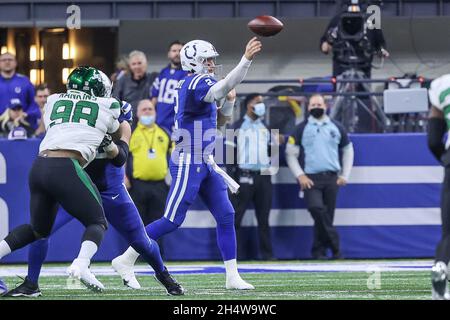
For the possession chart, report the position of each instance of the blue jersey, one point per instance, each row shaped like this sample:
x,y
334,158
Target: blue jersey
x,y
21,88
193,114
104,174
163,89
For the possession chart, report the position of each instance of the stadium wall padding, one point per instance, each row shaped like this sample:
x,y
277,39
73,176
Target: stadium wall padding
x,y
390,209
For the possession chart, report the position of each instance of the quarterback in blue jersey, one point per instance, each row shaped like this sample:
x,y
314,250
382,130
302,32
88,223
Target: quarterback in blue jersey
x,y
192,164
164,87
107,173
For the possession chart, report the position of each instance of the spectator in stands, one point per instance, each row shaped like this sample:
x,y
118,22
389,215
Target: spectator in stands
x,y
15,85
147,166
14,117
42,93
252,153
313,155
164,86
135,86
121,69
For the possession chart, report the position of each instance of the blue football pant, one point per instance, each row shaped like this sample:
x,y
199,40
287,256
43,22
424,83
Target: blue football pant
x,y
122,214
190,180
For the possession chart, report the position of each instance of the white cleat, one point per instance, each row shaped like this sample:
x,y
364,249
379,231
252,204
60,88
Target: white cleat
x,y
80,270
126,272
237,283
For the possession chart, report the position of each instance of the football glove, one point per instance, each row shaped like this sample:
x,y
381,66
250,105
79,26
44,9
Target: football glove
x,y
107,144
126,112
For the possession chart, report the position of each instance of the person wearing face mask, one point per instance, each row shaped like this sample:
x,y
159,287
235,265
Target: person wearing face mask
x,y
147,165
251,145
313,156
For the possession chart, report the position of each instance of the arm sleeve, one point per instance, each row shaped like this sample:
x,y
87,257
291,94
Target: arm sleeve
x,y
227,108
292,154
154,90
122,156
222,87
379,41
333,23
345,141
347,161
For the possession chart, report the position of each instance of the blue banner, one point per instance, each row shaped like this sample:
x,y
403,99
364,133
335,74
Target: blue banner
x,y
390,209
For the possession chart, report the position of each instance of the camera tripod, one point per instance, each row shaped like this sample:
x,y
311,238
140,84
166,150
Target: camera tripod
x,y
345,108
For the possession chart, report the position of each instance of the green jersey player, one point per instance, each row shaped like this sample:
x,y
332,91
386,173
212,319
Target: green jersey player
x,y
76,123
438,126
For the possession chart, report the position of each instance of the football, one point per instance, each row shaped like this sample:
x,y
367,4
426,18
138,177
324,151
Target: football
x,y
265,26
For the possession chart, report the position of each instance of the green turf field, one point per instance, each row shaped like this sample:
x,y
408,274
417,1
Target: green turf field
x,y
411,284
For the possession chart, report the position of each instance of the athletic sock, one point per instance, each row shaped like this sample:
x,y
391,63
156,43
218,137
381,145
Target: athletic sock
x,y
130,256
231,268
36,257
4,249
88,249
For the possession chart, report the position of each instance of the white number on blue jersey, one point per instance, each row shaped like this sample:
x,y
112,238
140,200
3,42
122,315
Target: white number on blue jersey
x,y
167,90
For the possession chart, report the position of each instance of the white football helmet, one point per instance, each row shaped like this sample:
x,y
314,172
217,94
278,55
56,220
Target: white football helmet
x,y
194,54
107,83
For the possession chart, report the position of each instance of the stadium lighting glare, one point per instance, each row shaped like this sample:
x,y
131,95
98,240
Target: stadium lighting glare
x,y
42,77
41,56
73,52
66,51
33,52
4,49
65,75
56,30
34,76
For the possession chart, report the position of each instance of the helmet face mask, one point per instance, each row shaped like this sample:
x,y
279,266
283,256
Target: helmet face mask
x,y
196,57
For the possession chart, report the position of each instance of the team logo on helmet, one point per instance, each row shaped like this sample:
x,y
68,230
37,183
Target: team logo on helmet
x,y
194,47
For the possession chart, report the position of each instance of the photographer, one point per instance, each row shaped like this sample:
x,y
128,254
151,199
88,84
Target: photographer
x,y
351,40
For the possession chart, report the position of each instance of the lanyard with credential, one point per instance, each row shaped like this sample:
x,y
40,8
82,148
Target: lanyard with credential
x,y
151,151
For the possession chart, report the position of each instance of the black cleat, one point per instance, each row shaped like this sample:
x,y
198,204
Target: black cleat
x,y
173,288
27,289
439,281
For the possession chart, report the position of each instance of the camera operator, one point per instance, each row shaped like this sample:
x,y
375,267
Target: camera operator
x,y
351,40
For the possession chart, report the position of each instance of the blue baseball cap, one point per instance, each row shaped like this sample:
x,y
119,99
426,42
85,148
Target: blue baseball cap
x,y
15,103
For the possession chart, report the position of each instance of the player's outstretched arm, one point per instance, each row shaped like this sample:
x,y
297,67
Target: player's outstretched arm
x,y
222,87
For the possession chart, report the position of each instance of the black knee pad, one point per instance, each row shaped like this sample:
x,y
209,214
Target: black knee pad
x,y
22,236
94,233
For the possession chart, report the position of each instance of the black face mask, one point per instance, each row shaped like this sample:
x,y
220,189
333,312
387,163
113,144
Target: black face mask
x,y
317,112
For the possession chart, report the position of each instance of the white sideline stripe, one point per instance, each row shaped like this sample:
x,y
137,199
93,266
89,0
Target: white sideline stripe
x,y
343,217
379,174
